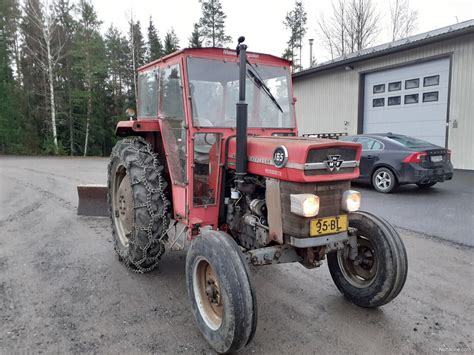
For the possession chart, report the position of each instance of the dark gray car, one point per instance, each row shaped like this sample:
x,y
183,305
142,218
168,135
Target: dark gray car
x,y
389,160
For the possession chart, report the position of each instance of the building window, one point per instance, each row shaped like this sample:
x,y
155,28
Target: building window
x,y
411,99
412,83
379,88
394,100
430,96
378,102
395,86
431,80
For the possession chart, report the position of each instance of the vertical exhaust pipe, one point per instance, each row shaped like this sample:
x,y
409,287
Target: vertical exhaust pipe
x,y
241,136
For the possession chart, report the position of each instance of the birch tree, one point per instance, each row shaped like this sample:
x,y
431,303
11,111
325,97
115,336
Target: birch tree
x,y
48,51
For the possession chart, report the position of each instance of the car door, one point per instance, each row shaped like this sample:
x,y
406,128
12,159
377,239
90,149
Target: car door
x,y
371,149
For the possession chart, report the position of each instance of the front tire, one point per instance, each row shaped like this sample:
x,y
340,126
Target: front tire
x,y
384,180
379,272
138,204
222,297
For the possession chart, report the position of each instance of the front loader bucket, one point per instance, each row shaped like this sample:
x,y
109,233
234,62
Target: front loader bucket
x,y
92,200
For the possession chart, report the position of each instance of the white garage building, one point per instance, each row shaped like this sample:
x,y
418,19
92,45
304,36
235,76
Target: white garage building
x,y
422,86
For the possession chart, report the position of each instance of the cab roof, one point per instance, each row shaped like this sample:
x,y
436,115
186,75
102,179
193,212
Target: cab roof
x,y
219,53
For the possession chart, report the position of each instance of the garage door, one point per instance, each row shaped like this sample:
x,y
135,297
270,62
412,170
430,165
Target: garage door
x,y
411,100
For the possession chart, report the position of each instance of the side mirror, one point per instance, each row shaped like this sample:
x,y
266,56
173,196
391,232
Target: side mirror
x,y
130,112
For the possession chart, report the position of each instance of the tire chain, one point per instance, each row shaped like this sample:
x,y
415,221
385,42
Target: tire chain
x,y
161,217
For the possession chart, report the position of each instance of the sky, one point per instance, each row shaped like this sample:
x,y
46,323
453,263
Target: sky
x,y
261,21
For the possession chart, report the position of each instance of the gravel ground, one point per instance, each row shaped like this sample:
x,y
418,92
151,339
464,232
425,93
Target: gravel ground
x,y
62,289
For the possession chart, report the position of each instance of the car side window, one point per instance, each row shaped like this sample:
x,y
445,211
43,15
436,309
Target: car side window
x,y
369,144
366,143
377,145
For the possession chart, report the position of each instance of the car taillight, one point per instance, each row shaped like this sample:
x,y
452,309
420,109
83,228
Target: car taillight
x,y
449,155
417,157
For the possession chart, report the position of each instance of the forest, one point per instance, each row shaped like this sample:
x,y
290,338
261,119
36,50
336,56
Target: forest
x,y
65,81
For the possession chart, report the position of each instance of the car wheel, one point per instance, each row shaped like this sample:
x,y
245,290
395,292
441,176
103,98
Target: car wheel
x,y
384,180
426,185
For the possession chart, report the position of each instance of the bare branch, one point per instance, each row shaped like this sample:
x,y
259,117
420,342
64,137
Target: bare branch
x,y
403,20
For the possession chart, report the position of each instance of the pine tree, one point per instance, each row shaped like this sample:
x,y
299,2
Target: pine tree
x,y
137,50
90,63
171,42
212,23
155,48
295,21
195,40
66,30
117,66
12,124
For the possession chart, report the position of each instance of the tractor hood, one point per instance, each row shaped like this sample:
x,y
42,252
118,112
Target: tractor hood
x,y
299,159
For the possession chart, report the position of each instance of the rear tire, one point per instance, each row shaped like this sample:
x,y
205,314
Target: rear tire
x,y
223,300
380,270
138,204
426,185
384,180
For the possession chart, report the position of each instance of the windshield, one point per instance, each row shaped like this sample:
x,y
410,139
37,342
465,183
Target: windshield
x,y
411,142
214,87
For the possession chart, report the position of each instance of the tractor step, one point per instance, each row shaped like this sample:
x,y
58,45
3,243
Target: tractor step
x,y
92,200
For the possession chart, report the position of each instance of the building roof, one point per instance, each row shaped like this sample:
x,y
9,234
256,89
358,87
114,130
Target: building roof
x,y
418,40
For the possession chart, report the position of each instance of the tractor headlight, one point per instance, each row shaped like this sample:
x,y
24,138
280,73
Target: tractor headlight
x,y
350,200
306,205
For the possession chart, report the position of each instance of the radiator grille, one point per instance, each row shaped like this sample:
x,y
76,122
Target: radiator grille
x,y
330,195
321,155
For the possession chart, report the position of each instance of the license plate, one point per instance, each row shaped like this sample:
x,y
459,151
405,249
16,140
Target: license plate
x,y
436,158
328,225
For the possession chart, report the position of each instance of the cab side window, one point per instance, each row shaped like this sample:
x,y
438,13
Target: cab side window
x,y
171,112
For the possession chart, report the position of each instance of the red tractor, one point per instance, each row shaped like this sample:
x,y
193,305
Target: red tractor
x,y
215,162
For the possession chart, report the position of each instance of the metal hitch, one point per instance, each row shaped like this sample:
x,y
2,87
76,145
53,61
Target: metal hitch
x,y
92,200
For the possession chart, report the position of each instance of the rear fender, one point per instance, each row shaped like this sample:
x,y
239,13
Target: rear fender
x,y
136,127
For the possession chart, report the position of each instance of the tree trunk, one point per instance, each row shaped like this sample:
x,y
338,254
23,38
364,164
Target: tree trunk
x,y
51,94
89,101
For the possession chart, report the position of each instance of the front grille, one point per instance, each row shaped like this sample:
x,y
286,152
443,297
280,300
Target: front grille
x,y
321,155
330,195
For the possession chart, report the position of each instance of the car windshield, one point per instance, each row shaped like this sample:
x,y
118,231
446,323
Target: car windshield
x,y
411,142
214,87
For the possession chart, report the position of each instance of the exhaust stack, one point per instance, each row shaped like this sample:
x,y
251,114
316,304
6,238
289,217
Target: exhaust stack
x,y
241,136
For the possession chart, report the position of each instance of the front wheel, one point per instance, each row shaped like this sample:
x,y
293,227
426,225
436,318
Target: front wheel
x,y
222,298
378,273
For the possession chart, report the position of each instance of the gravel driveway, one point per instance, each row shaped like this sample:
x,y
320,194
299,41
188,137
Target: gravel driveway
x,y
62,289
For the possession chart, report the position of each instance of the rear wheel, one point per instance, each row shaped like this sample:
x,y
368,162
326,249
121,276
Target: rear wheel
x,y
138,204
222,297
378,273
384,180
426,185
